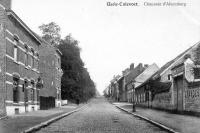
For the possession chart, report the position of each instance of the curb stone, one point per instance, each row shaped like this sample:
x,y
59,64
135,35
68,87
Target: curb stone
x,y
48,122
149,120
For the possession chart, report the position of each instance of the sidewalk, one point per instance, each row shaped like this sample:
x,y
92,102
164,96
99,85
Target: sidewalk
x,y
180,123
21,122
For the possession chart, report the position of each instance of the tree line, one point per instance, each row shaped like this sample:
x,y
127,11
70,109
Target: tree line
x,y
76,83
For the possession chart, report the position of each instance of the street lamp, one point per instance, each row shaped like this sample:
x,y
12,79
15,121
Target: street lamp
x,y
133,87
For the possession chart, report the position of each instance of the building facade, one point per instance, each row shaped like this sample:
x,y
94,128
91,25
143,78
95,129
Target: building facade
x,y
133,73
141,85
51,73
176,85
19,57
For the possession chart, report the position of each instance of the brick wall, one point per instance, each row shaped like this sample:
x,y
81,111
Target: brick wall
x,y
50,67
6,3
25,44
2,63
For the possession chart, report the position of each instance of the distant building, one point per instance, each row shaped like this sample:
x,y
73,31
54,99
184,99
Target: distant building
x,y
129,80
51,73
141,87
176,85
115,88
19,72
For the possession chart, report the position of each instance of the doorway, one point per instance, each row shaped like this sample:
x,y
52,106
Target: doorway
x,y
179,90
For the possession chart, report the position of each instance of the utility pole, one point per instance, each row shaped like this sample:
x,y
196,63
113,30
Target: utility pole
x,y
133,87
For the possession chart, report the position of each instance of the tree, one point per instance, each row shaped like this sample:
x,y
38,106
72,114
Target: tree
x,y
76,83
51,33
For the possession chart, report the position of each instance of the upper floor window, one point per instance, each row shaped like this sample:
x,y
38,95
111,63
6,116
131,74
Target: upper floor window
x,y
196,73
16,40
26,55
15,53
32,58
169,77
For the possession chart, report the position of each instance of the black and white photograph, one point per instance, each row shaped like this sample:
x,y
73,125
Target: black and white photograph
x,y
99,66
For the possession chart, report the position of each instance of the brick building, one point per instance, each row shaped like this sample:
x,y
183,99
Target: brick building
x,y
183,74
141,88
176,85
51,73
19,72
129,79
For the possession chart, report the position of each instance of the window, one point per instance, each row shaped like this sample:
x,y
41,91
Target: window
x,y
26,56
32,91
15,53
15,90
169,77
32,58
26,59
58,61
25,90
196,73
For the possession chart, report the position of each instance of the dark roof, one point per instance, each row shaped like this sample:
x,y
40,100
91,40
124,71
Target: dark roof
x,y
145,75
164,67
134,73
47,43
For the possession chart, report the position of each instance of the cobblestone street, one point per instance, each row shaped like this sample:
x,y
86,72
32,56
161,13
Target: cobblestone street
x,y
100,116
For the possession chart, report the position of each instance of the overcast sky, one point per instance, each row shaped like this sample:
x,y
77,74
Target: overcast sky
x,y
112,38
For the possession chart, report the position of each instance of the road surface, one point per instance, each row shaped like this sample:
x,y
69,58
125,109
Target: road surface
x,y
99,116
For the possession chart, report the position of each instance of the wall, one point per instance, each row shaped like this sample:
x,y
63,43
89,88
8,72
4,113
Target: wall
x,y
28,72
2,62
164,100
6,3
50,67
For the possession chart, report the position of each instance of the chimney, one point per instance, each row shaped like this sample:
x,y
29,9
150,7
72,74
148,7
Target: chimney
x,y
141,67
146,66
6,3
132,66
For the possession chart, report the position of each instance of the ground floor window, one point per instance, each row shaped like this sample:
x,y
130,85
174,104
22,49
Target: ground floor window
x,y
15,90
32,91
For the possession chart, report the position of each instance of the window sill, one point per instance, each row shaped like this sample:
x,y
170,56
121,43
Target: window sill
x,y
16,62
27,67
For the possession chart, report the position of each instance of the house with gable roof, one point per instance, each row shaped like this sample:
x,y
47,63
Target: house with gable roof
x,y
176,85
141,87
19,59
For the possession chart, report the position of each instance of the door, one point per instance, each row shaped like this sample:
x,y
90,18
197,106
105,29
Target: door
x,y
179,86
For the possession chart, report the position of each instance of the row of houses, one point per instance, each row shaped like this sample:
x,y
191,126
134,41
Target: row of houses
x,y
175,86
30,68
